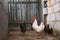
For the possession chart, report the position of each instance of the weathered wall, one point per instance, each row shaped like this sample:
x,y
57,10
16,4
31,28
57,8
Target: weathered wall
x,y
54,14
53,17
53,11
3,24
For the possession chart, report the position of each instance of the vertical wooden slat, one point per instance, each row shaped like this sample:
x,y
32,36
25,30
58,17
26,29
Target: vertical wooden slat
x,y
26,10
16,12
21,14
10,11
13,11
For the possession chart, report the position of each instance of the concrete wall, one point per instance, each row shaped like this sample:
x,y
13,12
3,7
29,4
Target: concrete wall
x,y
53,17
3,24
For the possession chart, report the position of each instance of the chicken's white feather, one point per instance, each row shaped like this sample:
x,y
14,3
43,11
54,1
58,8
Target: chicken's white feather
x,y
36,27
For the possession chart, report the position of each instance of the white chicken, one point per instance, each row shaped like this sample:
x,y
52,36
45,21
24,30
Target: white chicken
x,y
35,25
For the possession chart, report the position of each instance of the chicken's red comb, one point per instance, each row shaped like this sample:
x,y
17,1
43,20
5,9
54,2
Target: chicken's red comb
x,y
34,18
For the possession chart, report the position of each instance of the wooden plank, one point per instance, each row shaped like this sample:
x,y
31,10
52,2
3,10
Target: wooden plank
x,y
20,22
23,2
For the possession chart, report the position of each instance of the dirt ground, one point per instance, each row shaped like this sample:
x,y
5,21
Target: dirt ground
x,y
32,35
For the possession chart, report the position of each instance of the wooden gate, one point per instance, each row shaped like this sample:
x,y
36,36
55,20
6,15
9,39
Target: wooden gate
x,y
22,11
